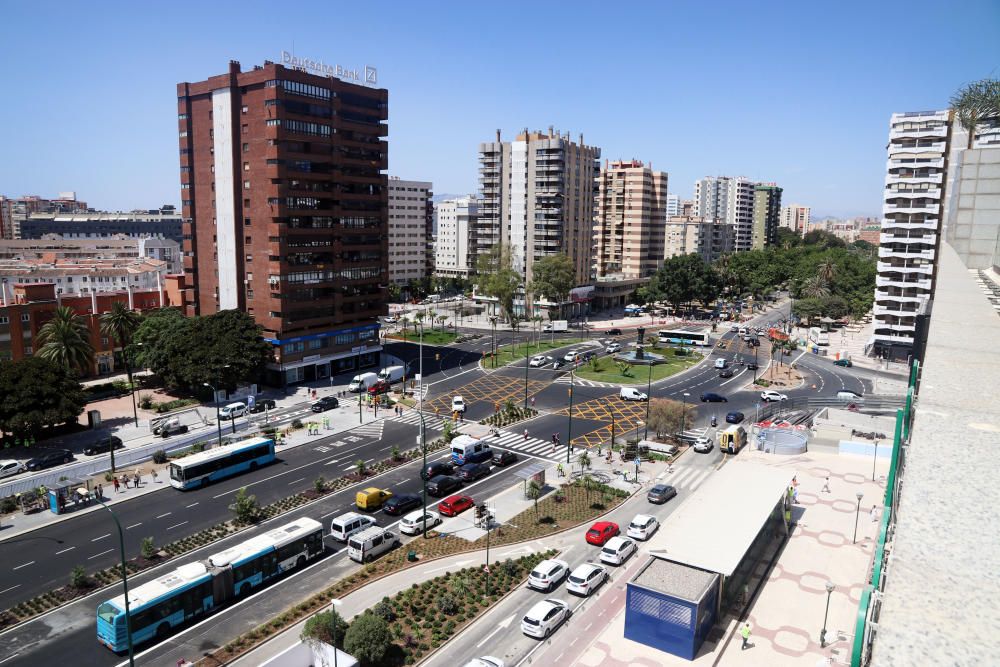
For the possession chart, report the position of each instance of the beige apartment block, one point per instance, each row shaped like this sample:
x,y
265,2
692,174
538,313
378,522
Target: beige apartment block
x,y
795,217
629,225
408,229
686,234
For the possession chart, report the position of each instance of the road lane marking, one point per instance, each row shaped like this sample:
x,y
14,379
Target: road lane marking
x,y
176,525
65,550
191,505
101,537
300,479
10,589
134,525
25,565
100,554
163,515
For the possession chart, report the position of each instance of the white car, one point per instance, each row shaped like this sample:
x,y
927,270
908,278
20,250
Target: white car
x,y
544,617
771,395
413,523
617,550
485,661
548,574
458,404
614,347
571,356
10,467
390,319
632,394
642,527
703,444
585,579
539,361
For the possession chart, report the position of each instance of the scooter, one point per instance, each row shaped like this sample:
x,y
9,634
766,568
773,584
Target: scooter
x,y
715,422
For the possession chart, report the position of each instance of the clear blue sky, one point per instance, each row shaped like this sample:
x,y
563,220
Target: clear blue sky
x,y
797,92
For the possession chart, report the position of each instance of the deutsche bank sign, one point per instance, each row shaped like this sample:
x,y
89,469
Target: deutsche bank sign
x,y
368,76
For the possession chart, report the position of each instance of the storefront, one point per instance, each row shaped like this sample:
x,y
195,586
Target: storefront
x,y
355,349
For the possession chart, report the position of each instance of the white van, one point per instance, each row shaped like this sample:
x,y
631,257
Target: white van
x,y
632,394
348,524
720,363
391,373
360,383
466,449
232,411
371,543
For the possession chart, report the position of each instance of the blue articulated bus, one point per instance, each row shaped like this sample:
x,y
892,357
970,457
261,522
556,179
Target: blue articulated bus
x,y
197,589
198,470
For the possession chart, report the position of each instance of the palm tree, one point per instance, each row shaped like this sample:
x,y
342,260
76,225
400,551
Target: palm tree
x,y
975,101
827,270
441,320
119,324
65,339
816,287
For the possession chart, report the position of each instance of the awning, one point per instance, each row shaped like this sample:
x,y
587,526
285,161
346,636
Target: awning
x,y
529,471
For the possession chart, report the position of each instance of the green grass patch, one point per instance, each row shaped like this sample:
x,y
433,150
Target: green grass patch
x,y
509,353
610,372
430,337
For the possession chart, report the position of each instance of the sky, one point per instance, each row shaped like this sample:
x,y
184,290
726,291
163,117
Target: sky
x,y
789,92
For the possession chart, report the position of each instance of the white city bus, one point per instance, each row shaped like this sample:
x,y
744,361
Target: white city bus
x,y
818,336
692,336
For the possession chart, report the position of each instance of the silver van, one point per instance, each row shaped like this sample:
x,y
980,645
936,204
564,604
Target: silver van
x,y
391,374
232,411
371,543
361,382
348,524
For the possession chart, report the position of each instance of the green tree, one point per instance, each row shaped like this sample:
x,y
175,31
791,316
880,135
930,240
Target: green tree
x,y
975,101
807,309
78,578
815,287
534,492
162,334
37,393
245,507
667,417
498,279
119,324
368,639
147,548
65,339
584,460
326,627
553,277
681,280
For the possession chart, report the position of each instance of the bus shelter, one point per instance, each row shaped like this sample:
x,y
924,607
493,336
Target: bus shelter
x,y
70,494
718,544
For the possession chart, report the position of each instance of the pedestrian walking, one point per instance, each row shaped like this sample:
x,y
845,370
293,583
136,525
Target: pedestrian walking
x,y
125,480
532,401
525,434
115,481
154,475
135,479
826,485
874,513
100,491
745,633
795,495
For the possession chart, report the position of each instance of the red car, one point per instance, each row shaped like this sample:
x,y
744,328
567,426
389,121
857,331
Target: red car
x,y
601,532
453,505
380,387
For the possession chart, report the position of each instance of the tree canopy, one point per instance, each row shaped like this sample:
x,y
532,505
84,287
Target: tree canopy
x,y
497,278
65,340
368,638
36,392
553,277
680,280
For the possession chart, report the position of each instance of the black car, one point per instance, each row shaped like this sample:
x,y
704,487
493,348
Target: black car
x,y
432,470
401,504
726,373
49,458
661,493
325,403
735,417
712,397
484,456
504,458
752,366
470,472
170,429
103,445
754,342
442,485
614,332
262,404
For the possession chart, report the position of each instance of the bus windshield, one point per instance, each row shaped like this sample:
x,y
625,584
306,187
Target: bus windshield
x,y
107,612
176,472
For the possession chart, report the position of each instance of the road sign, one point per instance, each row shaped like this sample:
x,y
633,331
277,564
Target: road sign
x,y
637,460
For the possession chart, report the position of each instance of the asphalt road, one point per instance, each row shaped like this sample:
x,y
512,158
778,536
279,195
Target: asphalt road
x,y
68,636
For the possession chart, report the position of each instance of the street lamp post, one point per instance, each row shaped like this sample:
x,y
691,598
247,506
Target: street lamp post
x,y
684,411
822,633
493,324
857,513
569,434
649,398
128,369
637,425
526,373
334,603
611,409
218,422
128,616
423,426
874,460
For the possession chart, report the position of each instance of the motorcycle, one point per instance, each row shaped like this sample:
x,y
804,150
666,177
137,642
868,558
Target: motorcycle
x,y
715,422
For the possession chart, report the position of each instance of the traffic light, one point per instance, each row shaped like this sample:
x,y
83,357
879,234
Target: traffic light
x,y
437,356
481,511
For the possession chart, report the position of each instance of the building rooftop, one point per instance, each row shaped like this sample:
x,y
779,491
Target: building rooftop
x,y
707,532
680,581
942,595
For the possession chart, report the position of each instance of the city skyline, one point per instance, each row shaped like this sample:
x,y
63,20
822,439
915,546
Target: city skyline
x,y
809,113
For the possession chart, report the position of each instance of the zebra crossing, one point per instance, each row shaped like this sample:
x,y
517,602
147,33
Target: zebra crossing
x,y
688,478
580,382
412,417
372,429
530,446
692,434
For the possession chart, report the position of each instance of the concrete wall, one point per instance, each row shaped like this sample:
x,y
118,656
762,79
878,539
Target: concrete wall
x,y
836,419
974,214
301,654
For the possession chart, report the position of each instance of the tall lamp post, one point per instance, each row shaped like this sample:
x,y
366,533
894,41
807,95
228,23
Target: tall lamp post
x,y
649,398
218,422
569,434
874,460
423,426
822,633
611,409
684,412
493,324
128,616
334,603
128,369
857,514
526,374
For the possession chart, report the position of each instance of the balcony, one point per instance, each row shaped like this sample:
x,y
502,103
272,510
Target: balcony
x,y
883,295
893,311
933,147
916,163
911,207
925,239
926,178
933,193
889,338
910,253
941,131
889,223
886,267
920,283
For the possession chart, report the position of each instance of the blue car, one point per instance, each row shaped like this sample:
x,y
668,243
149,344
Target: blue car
x,y
735,417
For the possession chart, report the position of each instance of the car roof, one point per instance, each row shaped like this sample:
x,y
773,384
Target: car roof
x,y
616,541
418,514
661,487
455,498
542,607
642,517
602,524
586,568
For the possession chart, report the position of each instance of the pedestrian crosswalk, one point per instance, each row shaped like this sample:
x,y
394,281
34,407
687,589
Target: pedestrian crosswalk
x,y
580,382
531,446
688,478
412,417
371,429
692,434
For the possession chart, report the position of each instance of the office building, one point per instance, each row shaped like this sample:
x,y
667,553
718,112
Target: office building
x,y
686,234
766,215
285,203
729,199
911,227
14,211
795,217
408,235
537,197
164,222
673,205
631,212
456,219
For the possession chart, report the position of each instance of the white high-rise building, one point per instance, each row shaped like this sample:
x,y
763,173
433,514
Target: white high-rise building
x,y
795,218
911,226
456,219
730,199
673,205
408,229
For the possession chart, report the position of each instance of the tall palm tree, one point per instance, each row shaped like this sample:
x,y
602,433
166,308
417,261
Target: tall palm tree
x,y
119,324
975,101
827,270
816,287
65,339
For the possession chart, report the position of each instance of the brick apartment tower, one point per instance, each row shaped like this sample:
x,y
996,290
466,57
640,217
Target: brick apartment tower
x,y
285,203
629,225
